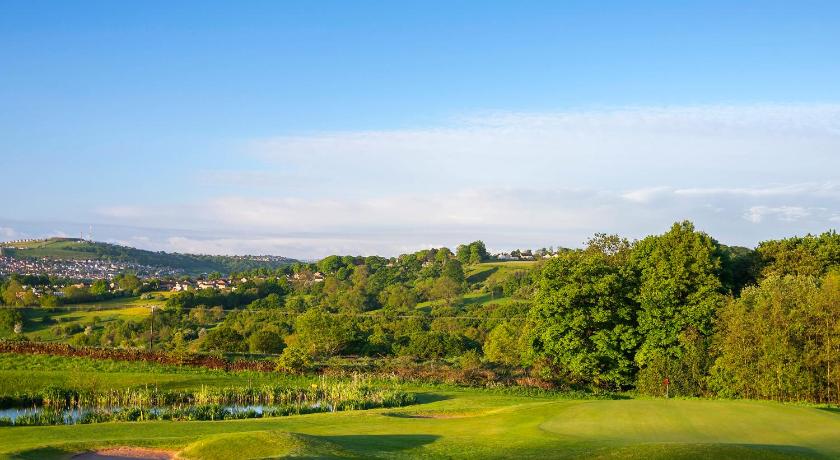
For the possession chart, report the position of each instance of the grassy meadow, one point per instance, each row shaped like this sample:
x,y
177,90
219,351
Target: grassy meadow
x,y
448,422
40,321
59,248
477,274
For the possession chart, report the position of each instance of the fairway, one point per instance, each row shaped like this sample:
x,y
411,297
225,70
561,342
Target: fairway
x,y
475,424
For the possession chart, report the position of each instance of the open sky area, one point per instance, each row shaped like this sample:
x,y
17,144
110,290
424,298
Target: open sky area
x,y
316,127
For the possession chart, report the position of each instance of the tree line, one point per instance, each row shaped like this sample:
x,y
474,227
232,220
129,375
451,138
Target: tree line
x,y
615,315
682,311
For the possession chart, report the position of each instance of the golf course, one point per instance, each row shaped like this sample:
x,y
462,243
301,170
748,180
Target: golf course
x,y
473,424
444,421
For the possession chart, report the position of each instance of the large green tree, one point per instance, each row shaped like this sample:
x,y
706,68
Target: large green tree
x,y
473,253
679,288
584,316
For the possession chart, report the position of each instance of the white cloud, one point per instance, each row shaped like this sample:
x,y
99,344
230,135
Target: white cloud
x,y
504,217
757,214
645,195
627,148
826,189
516,179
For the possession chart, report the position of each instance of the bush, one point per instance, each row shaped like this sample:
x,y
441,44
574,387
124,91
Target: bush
x,y
431,345
294,361
224,339
266,341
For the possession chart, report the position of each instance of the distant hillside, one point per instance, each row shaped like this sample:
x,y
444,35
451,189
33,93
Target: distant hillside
x,y
74,248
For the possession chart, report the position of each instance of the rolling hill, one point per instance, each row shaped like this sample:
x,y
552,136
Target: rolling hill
x,y
78,249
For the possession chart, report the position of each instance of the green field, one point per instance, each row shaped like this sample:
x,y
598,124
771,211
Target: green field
x,y
471,298
480,272
59,248
129,308
509,264
476,275
448,422
158,298
24,373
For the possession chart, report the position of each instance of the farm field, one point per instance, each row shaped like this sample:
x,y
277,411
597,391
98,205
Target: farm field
x,y
447,422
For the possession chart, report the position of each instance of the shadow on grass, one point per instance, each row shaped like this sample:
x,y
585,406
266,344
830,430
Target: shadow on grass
x,y
486,297
777,451
364,443
401,415
482,275
834,410
427,398
44,453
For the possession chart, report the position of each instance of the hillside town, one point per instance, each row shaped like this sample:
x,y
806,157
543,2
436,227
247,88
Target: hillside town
x,y
80,269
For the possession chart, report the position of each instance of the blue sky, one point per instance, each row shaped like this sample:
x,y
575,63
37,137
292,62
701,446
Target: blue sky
x,y
306,128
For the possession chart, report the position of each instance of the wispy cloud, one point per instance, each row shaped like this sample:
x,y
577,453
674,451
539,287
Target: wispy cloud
x,y
516,179
634,147
504,217
757,214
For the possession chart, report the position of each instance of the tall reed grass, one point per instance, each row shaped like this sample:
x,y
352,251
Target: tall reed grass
x,y
52,404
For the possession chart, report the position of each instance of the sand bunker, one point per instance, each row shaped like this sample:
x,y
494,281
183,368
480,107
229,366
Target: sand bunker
x,y
126,453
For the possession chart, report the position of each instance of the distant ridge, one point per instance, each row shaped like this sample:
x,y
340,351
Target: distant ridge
x,y
77,248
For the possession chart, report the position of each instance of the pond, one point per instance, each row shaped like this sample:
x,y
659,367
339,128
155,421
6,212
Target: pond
x,y
50,416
